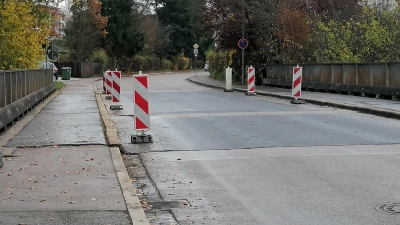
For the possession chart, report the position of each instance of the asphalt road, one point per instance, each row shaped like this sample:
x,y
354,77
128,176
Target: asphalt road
x,y
256,160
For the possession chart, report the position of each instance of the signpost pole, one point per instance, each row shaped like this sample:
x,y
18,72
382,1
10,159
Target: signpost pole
x,y
195,62
196,51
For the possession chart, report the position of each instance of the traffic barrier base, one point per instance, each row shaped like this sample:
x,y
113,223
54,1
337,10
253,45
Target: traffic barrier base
x,y
116,107
298,101
141,139
250,93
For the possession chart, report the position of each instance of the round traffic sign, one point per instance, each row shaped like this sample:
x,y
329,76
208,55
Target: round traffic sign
x,y
243,43
52,55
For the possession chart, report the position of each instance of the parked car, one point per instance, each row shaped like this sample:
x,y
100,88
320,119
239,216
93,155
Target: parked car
x,y
206,67
42,65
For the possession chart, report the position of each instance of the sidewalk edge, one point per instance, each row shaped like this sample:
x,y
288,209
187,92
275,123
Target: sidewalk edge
x,y
17,127
132,202
367,110
111,133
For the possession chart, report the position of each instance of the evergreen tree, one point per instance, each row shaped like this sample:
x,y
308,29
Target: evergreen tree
x,y
85,30
183,18
125,37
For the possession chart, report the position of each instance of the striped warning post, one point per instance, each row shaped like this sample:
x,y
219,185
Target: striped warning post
x,y
297,78
116,90
108,84
141,102
104,83
251,78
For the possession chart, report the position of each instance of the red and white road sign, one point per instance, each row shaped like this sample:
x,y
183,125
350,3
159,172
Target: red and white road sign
x,y
141,101
108,82
116,86
251,78
297,78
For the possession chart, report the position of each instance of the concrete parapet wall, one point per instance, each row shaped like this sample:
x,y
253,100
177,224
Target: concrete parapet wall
x,y
338,87
362,78
18,108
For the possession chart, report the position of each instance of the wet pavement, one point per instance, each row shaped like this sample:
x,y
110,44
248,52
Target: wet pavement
x,y
207,119
247,160
321,96
72,118
68,177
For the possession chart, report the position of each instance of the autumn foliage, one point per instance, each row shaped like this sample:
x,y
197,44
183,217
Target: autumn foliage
x,y
23,28
306,31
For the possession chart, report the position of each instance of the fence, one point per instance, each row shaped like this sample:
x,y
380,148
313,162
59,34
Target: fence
x,y
371,78
20,90
80,69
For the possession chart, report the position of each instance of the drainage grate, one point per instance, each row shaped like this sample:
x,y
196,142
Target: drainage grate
x,y
393,208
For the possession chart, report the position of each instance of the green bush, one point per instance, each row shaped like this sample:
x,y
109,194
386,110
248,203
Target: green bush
x,y
218,61
100,56
180,62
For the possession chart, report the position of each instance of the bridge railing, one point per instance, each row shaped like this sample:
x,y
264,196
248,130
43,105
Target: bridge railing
x,y
16,84
21,90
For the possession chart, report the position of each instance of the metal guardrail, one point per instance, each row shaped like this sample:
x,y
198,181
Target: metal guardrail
x,y
16,84
371,74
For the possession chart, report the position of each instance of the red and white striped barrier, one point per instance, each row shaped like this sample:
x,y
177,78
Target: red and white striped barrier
x,y
251,78
141,100
141,108
108,78
297,78
116,90
104,83
296,86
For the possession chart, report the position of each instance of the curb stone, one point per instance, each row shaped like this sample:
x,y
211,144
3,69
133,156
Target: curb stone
x,y
135,209
367,110
110,130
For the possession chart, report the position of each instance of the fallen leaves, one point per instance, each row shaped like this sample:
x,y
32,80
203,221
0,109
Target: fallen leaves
x,y
42,200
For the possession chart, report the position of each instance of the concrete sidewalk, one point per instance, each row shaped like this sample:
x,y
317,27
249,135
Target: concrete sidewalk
x,y
374,106
60,169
